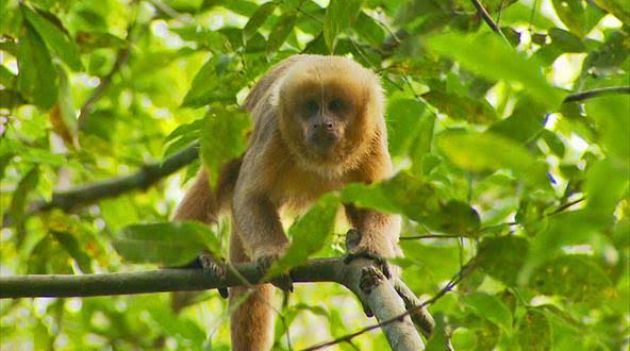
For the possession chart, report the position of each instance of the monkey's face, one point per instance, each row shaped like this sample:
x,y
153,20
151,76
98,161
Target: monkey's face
x,y
323,116
329,109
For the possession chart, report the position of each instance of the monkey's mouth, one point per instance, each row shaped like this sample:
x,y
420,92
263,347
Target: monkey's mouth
x,y
323,141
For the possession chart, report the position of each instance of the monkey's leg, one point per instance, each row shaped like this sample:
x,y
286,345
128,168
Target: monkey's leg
x,y
252,321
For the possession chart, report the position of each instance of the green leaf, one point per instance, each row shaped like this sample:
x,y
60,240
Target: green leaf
x,y
232,125
10,99
56,37
309,234
618,8
613,119
577,277
503,257
566,41
455,217
524,124
35,66
89,41
571,12
534,332
418,200
410,127
554,143
213,83
258,18
487,55
464,339
526,14
7,78
439,337
369,29
462,107
340,15
491,308
169,243
183,136
487,151
66,104
606,185
18,201
70,243
569,228
280,32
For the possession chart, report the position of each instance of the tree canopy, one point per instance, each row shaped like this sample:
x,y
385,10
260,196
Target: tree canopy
x,y
508,123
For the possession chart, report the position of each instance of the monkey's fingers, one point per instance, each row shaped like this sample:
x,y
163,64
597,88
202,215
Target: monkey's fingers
x,y
380,262
214,266
282,281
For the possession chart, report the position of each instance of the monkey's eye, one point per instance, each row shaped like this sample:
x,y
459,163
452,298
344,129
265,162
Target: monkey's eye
x,y
336,105
311,107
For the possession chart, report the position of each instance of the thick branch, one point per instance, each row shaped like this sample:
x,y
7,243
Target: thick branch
x,y
359,276
451,284
162,280
383,300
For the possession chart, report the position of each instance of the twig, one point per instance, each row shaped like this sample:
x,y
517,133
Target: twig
x,y
121,58
589,94
488,19
143,179
565,206
431,236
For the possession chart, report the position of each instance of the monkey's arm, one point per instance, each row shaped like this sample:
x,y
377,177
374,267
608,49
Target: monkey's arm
x,y
257,222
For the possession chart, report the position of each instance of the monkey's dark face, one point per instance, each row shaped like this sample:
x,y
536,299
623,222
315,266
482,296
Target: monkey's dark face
x,y
329,110
323,115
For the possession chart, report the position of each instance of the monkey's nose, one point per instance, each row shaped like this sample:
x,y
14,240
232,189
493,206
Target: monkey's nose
x,y
327,126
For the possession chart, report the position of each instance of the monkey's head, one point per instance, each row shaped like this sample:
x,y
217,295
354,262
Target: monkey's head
x,y
330,110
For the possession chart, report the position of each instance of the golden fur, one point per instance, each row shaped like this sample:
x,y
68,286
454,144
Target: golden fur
x,y
318,125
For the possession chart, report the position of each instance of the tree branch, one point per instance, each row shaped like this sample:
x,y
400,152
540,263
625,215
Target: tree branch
x,y
360,276
459,276
589,94
121,58
147,175
488,19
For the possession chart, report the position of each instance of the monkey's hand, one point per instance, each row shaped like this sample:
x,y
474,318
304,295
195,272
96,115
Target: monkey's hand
x,y
282,281
357,248
207,262
215,266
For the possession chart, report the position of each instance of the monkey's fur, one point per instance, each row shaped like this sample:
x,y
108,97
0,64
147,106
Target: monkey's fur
x,y
318,125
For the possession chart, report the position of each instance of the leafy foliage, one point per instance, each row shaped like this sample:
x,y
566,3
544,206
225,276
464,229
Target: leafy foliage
x,y
494,168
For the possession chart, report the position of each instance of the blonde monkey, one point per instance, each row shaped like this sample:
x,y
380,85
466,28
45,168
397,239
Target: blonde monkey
x,y
317,125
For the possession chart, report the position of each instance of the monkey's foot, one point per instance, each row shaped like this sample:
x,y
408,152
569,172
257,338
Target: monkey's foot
x,y
282,281
380,262
216,267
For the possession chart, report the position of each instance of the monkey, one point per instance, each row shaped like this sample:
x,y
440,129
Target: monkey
x,y
318,124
